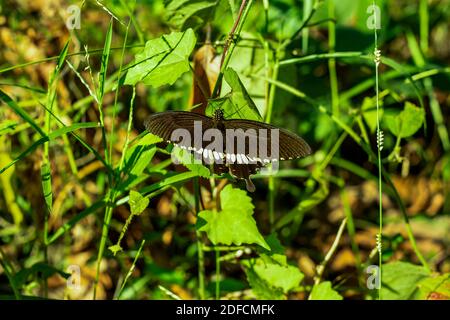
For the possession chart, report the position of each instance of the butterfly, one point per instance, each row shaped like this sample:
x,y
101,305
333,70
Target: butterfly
x,y
240,150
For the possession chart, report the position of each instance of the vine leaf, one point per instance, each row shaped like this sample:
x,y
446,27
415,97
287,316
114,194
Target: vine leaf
x,y
324,291
405,123
234,224
182,13
400,280
137,202
163,60
436,287
270,276
237,103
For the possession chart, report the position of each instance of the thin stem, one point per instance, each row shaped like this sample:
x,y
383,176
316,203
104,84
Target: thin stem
x,y
130,271
351,232
217,274
302,26
130,122
332,61
424,26
200,253
307,8
321,267
230,44
9,271
104,238
271,195
116,97
379,147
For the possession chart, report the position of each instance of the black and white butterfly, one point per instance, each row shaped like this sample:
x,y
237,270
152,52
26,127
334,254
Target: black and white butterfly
x,y
239,162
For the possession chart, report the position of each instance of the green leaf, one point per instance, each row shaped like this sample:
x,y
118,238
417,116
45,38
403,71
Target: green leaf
x,y
261,288
187,159
7,126
247,60
284,277
276,250
270,276
323,291
234,224
104,62
181,13
115,248
400,279
163,60
139,156
46,178
236,104
407,122
148,140
21,112
137,202
434,288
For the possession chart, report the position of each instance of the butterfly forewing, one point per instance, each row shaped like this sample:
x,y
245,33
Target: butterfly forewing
x,y
246,146
164,124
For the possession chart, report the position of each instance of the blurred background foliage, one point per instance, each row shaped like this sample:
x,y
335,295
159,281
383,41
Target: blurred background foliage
x,y
310,199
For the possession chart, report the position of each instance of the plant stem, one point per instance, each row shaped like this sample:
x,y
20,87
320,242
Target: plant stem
x,y
424,26
271,195
116,96
9,271
307,8
332,61
217,274
230,44
379,147
104,237
321,267
130,271
200,253
352,233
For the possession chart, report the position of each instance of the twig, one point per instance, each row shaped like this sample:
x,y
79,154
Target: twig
x,y
321,267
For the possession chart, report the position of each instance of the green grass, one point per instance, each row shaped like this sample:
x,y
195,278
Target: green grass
x,y
82,127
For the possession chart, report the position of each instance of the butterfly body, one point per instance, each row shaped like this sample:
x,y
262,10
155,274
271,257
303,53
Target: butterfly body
x,y
237,146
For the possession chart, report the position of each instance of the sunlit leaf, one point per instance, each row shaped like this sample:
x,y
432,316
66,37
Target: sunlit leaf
x,y
189,12
234,224
400,279
324,291
137,202
237,104
407,122
163,60
434,288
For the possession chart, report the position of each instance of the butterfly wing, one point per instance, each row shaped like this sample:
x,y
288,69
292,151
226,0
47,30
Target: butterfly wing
x,y
290,145
164,124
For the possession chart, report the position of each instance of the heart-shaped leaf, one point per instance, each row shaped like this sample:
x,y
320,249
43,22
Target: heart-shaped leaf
x,y
407,122
234,224
137,202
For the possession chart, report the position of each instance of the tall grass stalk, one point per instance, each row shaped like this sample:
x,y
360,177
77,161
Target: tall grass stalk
x,y
112,193
332,61
377,54
200,253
